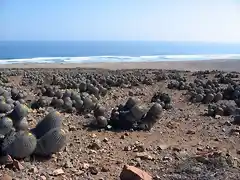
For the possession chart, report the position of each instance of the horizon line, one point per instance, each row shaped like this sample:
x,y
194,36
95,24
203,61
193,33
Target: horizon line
x,y
168,41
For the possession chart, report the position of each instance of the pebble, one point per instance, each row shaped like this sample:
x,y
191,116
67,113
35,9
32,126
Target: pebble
x,y
218,117
33,170
93,170
93,135
18,165
190,132
105,140
85,166
228,123
167,158
43,177
68,164
95,145
72,128
127,148
162,147
58,172
139,148
144,155
134,173
104,169
122,137
6,177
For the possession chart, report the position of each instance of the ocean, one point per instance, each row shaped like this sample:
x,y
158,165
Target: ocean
x,y
112,51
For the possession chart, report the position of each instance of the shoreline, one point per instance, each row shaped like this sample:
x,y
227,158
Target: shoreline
x,y
221,64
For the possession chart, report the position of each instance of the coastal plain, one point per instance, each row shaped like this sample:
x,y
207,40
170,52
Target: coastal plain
x,y
186,141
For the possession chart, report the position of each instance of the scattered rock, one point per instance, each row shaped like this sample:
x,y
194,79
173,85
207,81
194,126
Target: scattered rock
x,y
58,172
18,165
95,145
93,170
144,156
133,173
6,177
33,170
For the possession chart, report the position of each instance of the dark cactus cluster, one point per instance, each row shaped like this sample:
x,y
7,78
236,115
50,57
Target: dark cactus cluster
x,y
226,78
206,93
179,85
20,142
223,109
131,115
72,78
9,98
163,99
83,100
209,91
232,92
3,78
178,82
197,73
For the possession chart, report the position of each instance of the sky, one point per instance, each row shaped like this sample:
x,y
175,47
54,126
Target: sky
x,y
148,20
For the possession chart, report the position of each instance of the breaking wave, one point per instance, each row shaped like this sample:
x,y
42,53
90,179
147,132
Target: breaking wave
x,y
96,59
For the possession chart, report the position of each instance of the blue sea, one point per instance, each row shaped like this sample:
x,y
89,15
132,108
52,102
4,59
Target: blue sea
x,y
112,51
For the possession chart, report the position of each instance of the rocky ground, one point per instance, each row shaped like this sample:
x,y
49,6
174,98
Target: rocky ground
x,y
196,136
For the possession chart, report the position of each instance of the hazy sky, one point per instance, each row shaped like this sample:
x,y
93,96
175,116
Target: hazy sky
x,y
180,20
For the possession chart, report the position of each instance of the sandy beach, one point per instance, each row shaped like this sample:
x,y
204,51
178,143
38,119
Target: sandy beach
x,y
224,65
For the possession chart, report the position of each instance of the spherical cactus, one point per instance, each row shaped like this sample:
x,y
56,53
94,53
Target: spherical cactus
x,y
66,94
75,96
78,104
168,106
236,120
237,101
151,117
229,110
219,111
155,110
218,97
211,111
165,98
101,122
6,94
9,101
207,91
59,94
88,103
4,107
19,112
50,121
199,97
199,90
145,126
21,125
99,111
53,141
1,91
23,145
94,98
82,87
2,99
103,91
131,102
7,140
59,103
68,105
208,98
138,112
6,125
